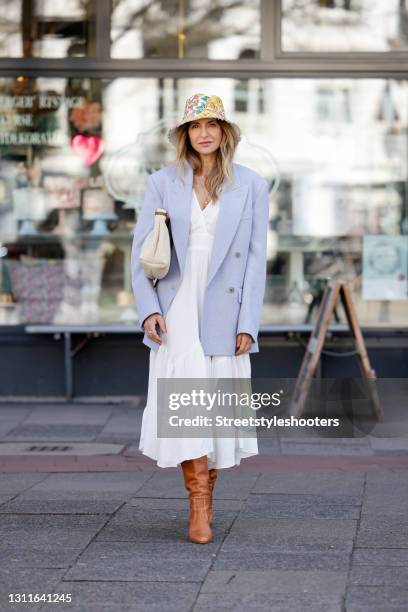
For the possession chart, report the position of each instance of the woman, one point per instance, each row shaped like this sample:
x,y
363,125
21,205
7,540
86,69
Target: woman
x,y
202,319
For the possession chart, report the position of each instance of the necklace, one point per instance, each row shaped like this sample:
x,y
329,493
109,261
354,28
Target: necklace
x,y
200,181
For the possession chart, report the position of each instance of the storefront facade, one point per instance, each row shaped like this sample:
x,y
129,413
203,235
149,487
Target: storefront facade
x,y
88,91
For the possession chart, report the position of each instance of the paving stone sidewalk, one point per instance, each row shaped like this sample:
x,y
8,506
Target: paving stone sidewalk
x,y
316,525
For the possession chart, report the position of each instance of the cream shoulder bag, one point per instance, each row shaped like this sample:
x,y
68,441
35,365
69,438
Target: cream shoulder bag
x,y
155,252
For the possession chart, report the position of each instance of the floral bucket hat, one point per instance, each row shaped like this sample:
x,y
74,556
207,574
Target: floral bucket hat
x,y
199,106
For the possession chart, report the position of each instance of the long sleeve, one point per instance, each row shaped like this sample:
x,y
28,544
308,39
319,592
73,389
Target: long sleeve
x,y
144,292
255,273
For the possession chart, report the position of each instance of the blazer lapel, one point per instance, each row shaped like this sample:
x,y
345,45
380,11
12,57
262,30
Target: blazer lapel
x,y
231,202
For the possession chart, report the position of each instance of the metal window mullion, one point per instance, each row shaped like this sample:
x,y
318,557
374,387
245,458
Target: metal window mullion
x,y
267,17
277,29
103,29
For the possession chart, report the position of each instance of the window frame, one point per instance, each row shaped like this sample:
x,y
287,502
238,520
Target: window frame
x,y
369,57
273,61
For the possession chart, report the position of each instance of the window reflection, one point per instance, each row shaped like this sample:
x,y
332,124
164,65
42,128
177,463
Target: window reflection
x,y
184,28
47,28
344,25
76,153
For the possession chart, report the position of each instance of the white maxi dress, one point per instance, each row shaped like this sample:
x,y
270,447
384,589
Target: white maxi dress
x,y
181,355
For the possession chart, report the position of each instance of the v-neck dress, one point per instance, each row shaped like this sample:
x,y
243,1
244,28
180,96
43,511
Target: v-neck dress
x,y
181,355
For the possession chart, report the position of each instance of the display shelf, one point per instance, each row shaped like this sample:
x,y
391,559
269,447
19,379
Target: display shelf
x,y
50,237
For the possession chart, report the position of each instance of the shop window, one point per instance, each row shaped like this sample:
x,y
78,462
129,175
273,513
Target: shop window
x,y
184,28
47,28
344,25
74,159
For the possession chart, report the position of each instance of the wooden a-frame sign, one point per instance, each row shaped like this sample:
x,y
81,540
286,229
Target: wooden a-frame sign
x,y
310,360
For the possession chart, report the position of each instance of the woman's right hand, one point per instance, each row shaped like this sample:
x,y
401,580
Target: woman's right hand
x,y
150,323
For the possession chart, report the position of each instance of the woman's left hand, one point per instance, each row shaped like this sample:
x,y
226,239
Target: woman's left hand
x,y
243,343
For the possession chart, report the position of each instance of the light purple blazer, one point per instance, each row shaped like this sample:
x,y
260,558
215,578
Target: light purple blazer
x,y
237,272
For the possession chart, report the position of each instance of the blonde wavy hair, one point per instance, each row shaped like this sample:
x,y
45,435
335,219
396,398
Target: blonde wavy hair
x,y
231,135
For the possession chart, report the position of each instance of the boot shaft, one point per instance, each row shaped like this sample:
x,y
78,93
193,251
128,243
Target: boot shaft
x,y
197,482
196,476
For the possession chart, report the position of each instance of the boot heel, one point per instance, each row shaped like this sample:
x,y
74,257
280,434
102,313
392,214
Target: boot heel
x,y
199,530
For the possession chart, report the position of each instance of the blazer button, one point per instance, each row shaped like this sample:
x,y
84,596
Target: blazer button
x,y
231,289
237,254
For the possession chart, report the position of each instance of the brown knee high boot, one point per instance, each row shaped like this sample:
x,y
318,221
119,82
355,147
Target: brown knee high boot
x,y
197,483
213,477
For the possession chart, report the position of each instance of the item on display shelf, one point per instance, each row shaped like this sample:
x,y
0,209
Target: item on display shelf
x,y
385,267
4,193
8,222
86,116
68,223
98,206
88,148
129,315
5,285
6,294
34,172
66,190
155,252
6,298
124,298
295,296
64,193
30,205
37,285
